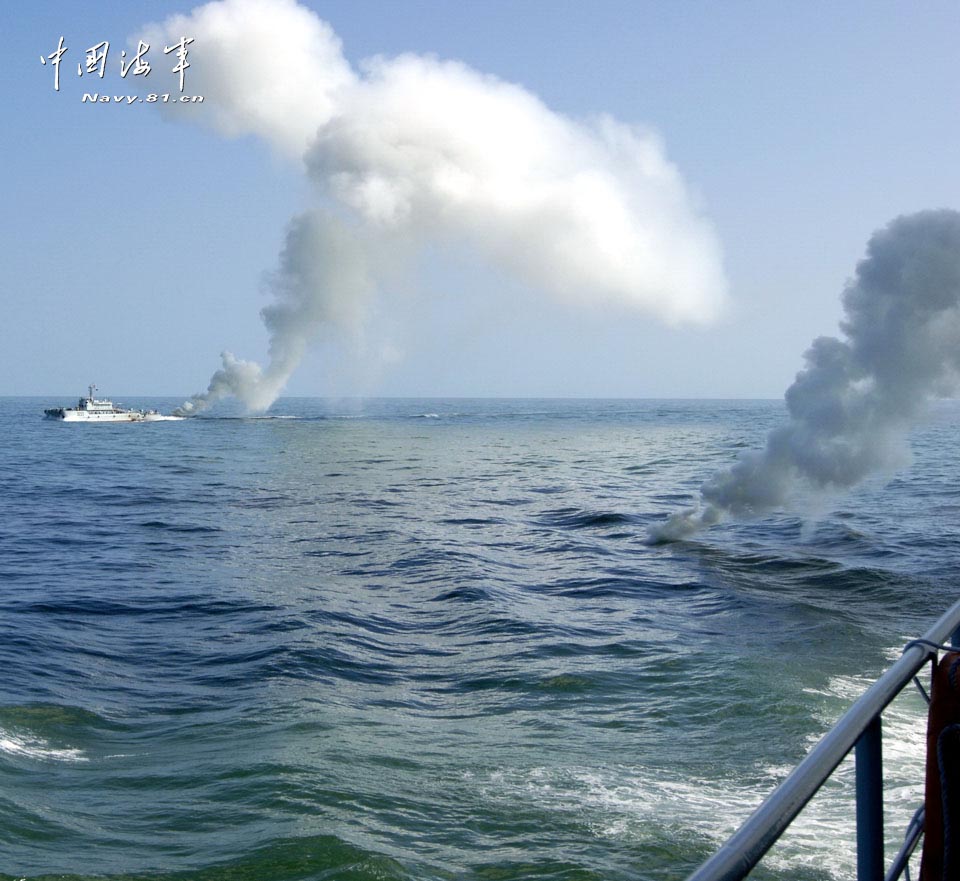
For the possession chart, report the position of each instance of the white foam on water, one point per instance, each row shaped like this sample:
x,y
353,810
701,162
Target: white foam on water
x,y
646,804
37,748
649,805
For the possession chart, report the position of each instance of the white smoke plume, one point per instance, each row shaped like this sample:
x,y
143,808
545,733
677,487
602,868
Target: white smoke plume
x,y
322,280
852,405
409,152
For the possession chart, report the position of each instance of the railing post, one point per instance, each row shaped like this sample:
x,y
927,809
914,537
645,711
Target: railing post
x,y
869,770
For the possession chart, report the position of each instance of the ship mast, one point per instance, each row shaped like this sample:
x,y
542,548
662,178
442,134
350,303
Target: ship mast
x,y
92,388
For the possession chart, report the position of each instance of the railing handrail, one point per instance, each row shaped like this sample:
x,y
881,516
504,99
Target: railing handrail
x,y
744,849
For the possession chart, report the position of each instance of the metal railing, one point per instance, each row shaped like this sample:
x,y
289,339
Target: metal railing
x,y
860,729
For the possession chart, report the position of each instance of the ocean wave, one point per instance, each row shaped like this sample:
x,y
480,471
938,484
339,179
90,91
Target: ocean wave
x,y
306,626
37,748
575,518
42,732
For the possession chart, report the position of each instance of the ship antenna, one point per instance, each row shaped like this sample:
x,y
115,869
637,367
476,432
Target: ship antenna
x,y
92,388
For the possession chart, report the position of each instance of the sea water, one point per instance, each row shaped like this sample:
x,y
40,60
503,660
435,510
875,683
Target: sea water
x,y
426,639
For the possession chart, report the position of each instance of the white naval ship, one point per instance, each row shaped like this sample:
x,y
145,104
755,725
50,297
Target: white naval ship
x,y
92,409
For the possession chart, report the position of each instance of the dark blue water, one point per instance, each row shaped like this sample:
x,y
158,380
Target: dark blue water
x,y
425,639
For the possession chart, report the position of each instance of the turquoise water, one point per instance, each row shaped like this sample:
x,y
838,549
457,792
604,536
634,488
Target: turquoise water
x,y
425,639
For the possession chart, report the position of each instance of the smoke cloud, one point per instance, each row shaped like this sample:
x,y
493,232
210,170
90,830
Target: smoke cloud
x,y
852,405
410,152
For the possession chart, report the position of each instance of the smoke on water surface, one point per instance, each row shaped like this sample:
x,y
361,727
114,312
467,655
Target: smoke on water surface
x,y
850,408
411,153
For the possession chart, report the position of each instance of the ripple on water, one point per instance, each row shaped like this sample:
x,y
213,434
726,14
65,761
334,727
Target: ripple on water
x,y
396,646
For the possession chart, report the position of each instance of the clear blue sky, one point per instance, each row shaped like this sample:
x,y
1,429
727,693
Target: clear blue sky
x,y
134,247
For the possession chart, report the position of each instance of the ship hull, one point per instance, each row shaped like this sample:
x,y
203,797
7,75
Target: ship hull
x,y
66,415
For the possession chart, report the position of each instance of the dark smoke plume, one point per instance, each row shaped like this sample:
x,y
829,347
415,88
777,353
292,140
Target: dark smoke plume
x,y
852,405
